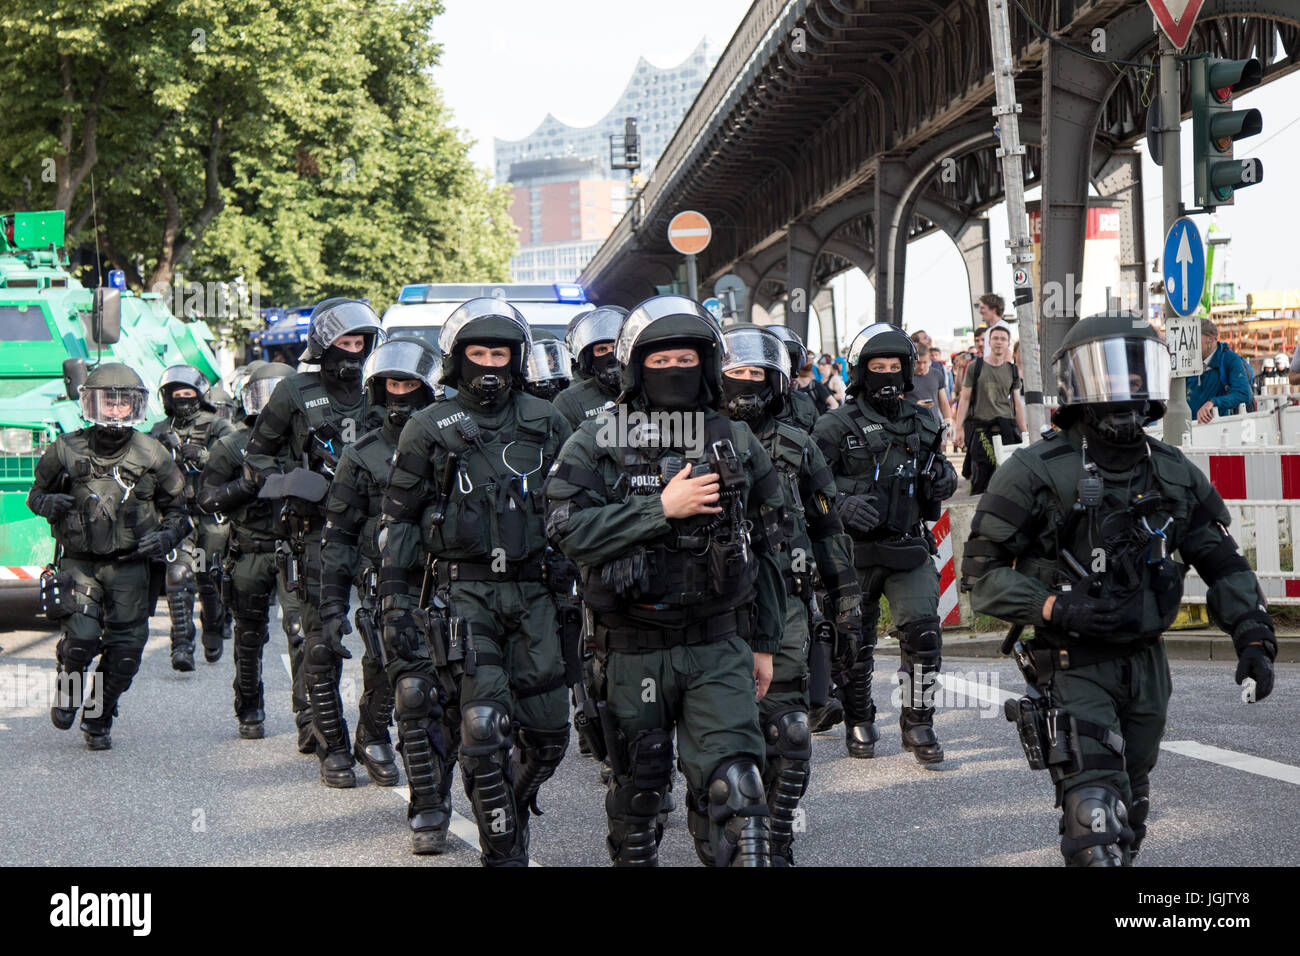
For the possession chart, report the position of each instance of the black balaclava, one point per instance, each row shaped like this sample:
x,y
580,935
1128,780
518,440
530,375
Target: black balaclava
x,y
884,392
548,390
605,370
489,384
674,388
109,439
183,409
1116,440
746,400
399,408
341,372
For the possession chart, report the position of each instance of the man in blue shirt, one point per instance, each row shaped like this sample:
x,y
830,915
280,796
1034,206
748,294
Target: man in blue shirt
x,y
1224,384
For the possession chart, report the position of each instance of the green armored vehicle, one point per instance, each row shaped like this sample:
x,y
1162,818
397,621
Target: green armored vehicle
x,y
48,341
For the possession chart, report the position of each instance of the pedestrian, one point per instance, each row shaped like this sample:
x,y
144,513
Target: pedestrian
x,y
891,476
930,388
1098,675
676,527
114,499
831,379
464,502
990,404
249,572
299,435
1224,384
189,431
756,377
806,383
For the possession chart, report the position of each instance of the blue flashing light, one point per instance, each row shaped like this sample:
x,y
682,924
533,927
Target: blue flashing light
x,y
570,292
413,293
117,279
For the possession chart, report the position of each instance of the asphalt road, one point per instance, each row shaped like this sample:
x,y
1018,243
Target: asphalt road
x,y
180,788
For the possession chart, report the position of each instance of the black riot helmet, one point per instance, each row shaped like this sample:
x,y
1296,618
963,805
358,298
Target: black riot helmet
x,y
221,401
794,346
332,318
549,369
753,346
589,330
114,401
879,340
259,385
183,376
667,322
486,320
1112,365
402,358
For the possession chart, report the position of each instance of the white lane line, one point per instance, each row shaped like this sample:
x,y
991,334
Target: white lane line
x,y
1230,758
465,830
987,693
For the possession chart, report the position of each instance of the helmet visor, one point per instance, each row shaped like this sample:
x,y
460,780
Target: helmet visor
x,y
599,326
114,405
254,395
347,318
1115,370
403,359
183,376
640,321
755,348
548,360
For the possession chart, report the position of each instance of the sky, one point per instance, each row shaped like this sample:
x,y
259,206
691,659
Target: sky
x,y
507,64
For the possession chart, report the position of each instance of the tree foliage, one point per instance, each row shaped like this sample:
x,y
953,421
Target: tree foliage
x,y
298,143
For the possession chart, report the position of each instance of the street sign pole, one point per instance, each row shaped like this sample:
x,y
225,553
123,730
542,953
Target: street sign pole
x,y
1012,155
692,280
1176,415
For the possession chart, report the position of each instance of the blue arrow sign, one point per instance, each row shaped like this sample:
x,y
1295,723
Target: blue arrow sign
x,y
1183,263
714,305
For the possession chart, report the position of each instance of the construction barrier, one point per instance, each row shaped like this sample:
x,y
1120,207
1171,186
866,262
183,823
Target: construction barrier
x,y
949,610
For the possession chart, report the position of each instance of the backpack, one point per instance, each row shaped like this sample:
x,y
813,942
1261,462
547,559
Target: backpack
x,y
979,367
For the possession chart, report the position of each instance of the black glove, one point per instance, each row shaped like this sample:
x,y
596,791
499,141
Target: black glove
x,y
858,513
1082,616
193,451
561,573
945,485
1255,662
54,506
171,440
627,575
155,544
334,625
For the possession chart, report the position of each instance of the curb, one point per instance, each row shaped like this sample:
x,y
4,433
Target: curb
x,y
1179,645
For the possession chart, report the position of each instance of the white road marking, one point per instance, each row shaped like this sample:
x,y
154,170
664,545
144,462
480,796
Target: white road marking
x,y
983,692
1230,758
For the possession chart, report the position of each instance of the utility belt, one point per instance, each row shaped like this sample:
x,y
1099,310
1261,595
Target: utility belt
x,y
246,545
1047,660
636,640
902,553
1050,738
446,572
121,554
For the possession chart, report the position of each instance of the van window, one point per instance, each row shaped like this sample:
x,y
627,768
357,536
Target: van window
x,y
23,323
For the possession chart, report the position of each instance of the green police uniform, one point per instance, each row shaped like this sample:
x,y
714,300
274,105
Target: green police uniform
x,y
883,450
250,572
306,423
583,400
1097,532
465,490
117,498
198,558
678,607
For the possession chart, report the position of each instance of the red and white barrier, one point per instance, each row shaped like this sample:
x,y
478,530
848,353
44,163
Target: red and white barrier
x,y
20,576
949,612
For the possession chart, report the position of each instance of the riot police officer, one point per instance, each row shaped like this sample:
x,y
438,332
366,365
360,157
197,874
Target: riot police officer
x,y
473,465
550,367
591,342
400,380
189,431
222,402
800,410
249,570
1075,538
681,583
114,499
302,430
890,471
755,383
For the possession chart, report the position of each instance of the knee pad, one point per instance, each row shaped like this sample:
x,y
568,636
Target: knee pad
x,y
246,604
543,746
77,655
484,727
736,789
922,640
414,698
1137,816
127,664
788,734
293,628
1094,826
179,577
319,655
250,638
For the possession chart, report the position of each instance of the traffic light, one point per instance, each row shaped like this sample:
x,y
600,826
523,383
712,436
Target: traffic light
x,y
1216,127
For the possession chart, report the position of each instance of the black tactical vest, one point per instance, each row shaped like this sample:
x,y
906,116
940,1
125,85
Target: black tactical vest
x,y
113,495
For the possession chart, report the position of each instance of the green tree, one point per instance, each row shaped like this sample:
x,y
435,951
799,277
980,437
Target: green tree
x,y
299,143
